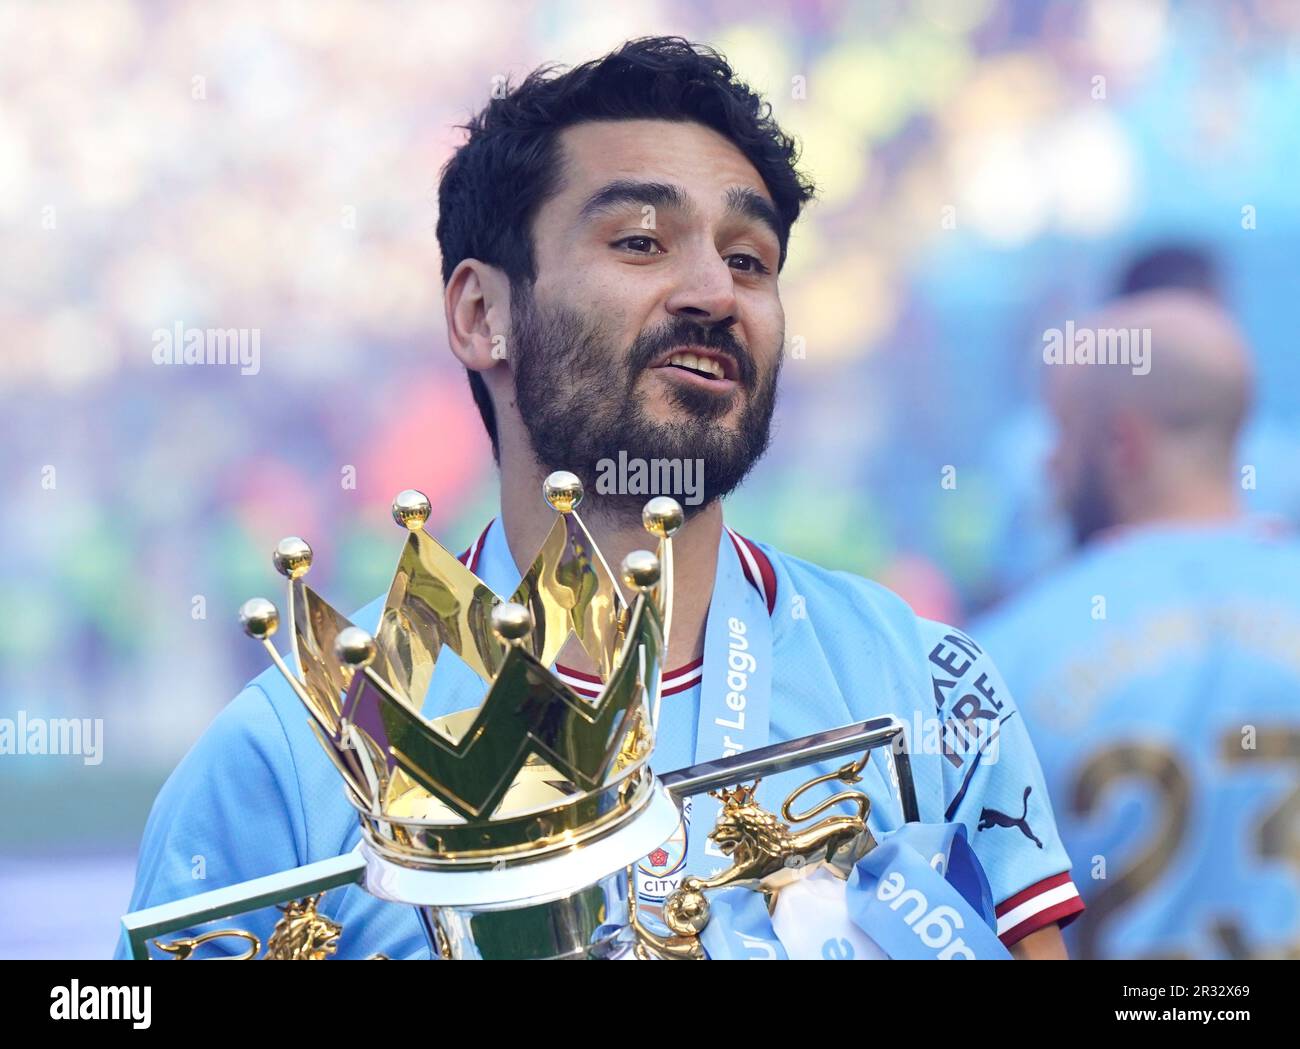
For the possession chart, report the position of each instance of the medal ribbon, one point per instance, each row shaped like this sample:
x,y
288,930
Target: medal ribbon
x,y
909,907
921,893
735,692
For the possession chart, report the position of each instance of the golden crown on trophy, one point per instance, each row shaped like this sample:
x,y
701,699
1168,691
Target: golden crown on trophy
x,y
513,826
534,770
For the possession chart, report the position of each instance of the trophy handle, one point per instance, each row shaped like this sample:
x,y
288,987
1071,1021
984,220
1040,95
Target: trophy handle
x,y
297,890
806,750
847,774
765,852
182,950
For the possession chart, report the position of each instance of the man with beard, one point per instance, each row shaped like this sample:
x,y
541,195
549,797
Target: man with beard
x,y
1157,670
611,240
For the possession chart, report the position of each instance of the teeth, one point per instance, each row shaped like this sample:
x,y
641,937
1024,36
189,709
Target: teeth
x,y
703,364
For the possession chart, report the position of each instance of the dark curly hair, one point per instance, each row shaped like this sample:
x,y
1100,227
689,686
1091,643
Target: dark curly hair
x,y
493,185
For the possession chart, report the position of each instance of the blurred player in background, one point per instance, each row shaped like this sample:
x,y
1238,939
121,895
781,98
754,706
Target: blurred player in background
x,y
1159,672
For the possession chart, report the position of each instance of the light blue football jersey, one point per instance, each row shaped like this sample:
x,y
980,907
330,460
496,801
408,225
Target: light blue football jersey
x,y
1159,674
257,795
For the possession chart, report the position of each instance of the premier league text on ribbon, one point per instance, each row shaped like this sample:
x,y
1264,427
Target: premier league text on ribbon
x,y
740,664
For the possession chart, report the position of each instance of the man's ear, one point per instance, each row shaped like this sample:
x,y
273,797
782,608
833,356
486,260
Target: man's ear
x,y
477,304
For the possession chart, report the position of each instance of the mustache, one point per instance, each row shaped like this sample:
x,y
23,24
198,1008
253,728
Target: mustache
x,y
651,346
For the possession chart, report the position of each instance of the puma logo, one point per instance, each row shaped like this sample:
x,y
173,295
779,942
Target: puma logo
x,y
994,818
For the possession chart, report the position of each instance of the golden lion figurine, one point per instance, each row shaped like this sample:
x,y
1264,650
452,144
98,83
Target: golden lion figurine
x,y
765,853
301,935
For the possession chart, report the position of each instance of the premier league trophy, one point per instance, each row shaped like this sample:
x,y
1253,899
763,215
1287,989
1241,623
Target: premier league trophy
x,y
513,827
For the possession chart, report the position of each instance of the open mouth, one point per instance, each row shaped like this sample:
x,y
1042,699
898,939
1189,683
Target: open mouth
x,y
704,364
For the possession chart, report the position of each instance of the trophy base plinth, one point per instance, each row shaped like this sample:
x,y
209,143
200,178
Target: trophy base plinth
x,y
591,924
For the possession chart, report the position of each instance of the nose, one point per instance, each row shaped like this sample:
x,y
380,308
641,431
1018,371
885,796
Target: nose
x,y
705,290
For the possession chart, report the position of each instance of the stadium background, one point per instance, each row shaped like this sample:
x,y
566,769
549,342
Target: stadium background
x,y
987,169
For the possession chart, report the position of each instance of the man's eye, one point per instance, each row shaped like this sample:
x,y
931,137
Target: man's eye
x,y
755,264
639,245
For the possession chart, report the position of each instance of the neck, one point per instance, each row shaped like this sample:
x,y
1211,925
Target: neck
x,y
527,519
1192,501
1193,498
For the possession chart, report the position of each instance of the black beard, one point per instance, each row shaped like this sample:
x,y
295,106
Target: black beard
x,y
575,393
1090,510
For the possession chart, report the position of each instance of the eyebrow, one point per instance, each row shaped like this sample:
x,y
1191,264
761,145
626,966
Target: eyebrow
x,y
740,200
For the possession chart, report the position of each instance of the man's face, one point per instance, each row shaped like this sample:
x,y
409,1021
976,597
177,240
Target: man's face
x,y
654,327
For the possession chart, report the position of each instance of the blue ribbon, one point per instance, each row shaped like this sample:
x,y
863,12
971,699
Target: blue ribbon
x,y
739,928
921,893
735,692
